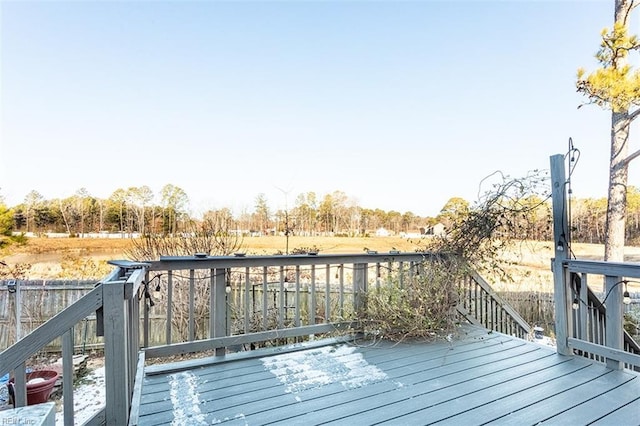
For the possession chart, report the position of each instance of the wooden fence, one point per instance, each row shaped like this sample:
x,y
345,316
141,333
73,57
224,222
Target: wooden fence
x,y
42,299
36,301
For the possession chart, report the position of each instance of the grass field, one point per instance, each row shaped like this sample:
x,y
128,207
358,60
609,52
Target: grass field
x,y
253,245
47,255
531,269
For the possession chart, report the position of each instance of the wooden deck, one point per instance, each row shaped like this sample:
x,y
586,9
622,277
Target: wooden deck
x,y
476,378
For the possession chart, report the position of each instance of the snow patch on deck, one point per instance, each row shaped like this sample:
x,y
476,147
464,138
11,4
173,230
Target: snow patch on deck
x,y
299,371
185,400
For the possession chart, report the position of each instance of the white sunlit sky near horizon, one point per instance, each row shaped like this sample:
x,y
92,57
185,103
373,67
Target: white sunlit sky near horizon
x,y
401,105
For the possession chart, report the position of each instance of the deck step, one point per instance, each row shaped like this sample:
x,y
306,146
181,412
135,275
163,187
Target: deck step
x,y
34,415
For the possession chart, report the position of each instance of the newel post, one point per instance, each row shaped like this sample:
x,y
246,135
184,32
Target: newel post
x,y
218,308
614,335
561,237
115,353
360,289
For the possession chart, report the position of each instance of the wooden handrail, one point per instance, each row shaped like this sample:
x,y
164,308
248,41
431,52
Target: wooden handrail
x,y
118,292
585,335
22,350
480,304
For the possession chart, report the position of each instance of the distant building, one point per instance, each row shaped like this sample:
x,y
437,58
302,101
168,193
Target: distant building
x,y
437,230
382,232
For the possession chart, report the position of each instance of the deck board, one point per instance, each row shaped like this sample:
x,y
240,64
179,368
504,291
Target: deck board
x,y
336,398
423,386
441,404
578,405
629,414
478,377
538,402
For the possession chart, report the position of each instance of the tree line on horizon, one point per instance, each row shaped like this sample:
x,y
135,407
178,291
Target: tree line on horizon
x,y
137,210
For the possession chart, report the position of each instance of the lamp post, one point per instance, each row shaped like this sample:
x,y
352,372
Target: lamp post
x,y
13,287
286,217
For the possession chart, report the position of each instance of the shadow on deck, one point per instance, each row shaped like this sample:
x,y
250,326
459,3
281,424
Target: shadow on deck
x,y
478,377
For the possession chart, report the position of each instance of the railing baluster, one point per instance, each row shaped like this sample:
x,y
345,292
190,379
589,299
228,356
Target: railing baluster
x,y
327,294
212,303
248,312
494,314
20,385
169,306
583,311
477,301
297,298
281,299
145,326
265,298
67,377
483,302
192,323
341,288
312,308
133,335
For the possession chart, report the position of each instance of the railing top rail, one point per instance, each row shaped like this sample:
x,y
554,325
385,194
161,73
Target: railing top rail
x,y
612,269
512,312
222,262
128,264
22,350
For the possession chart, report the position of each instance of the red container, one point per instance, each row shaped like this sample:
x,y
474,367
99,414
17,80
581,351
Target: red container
x,y
40,391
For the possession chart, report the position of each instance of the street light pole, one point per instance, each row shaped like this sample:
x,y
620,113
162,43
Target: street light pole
x,y
286,217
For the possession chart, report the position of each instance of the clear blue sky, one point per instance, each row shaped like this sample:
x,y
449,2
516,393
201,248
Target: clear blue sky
x,y
401,105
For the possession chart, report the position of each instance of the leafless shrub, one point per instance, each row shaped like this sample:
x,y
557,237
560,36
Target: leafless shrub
x,y
212,236
512,210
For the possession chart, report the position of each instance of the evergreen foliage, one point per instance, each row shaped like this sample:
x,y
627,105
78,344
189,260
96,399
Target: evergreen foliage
x,y
615,85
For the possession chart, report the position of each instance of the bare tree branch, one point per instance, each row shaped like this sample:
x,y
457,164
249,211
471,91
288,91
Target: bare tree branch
x,y
627,12
631,157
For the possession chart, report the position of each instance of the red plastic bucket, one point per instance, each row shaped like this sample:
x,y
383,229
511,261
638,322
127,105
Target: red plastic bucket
x,y
40,383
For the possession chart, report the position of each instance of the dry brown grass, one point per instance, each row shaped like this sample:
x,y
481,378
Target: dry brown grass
x,y
531,269
270,245
46,255
253,245
54,245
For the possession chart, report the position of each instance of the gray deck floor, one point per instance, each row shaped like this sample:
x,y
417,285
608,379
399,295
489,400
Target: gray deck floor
x,y
477,378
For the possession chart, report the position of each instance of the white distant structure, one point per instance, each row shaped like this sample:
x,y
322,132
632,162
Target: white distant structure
x,y
382,232
436,230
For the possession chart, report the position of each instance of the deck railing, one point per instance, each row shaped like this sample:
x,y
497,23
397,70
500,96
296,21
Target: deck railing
x,y
480,304
584,324
235,303
114,299
595,327
214,305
